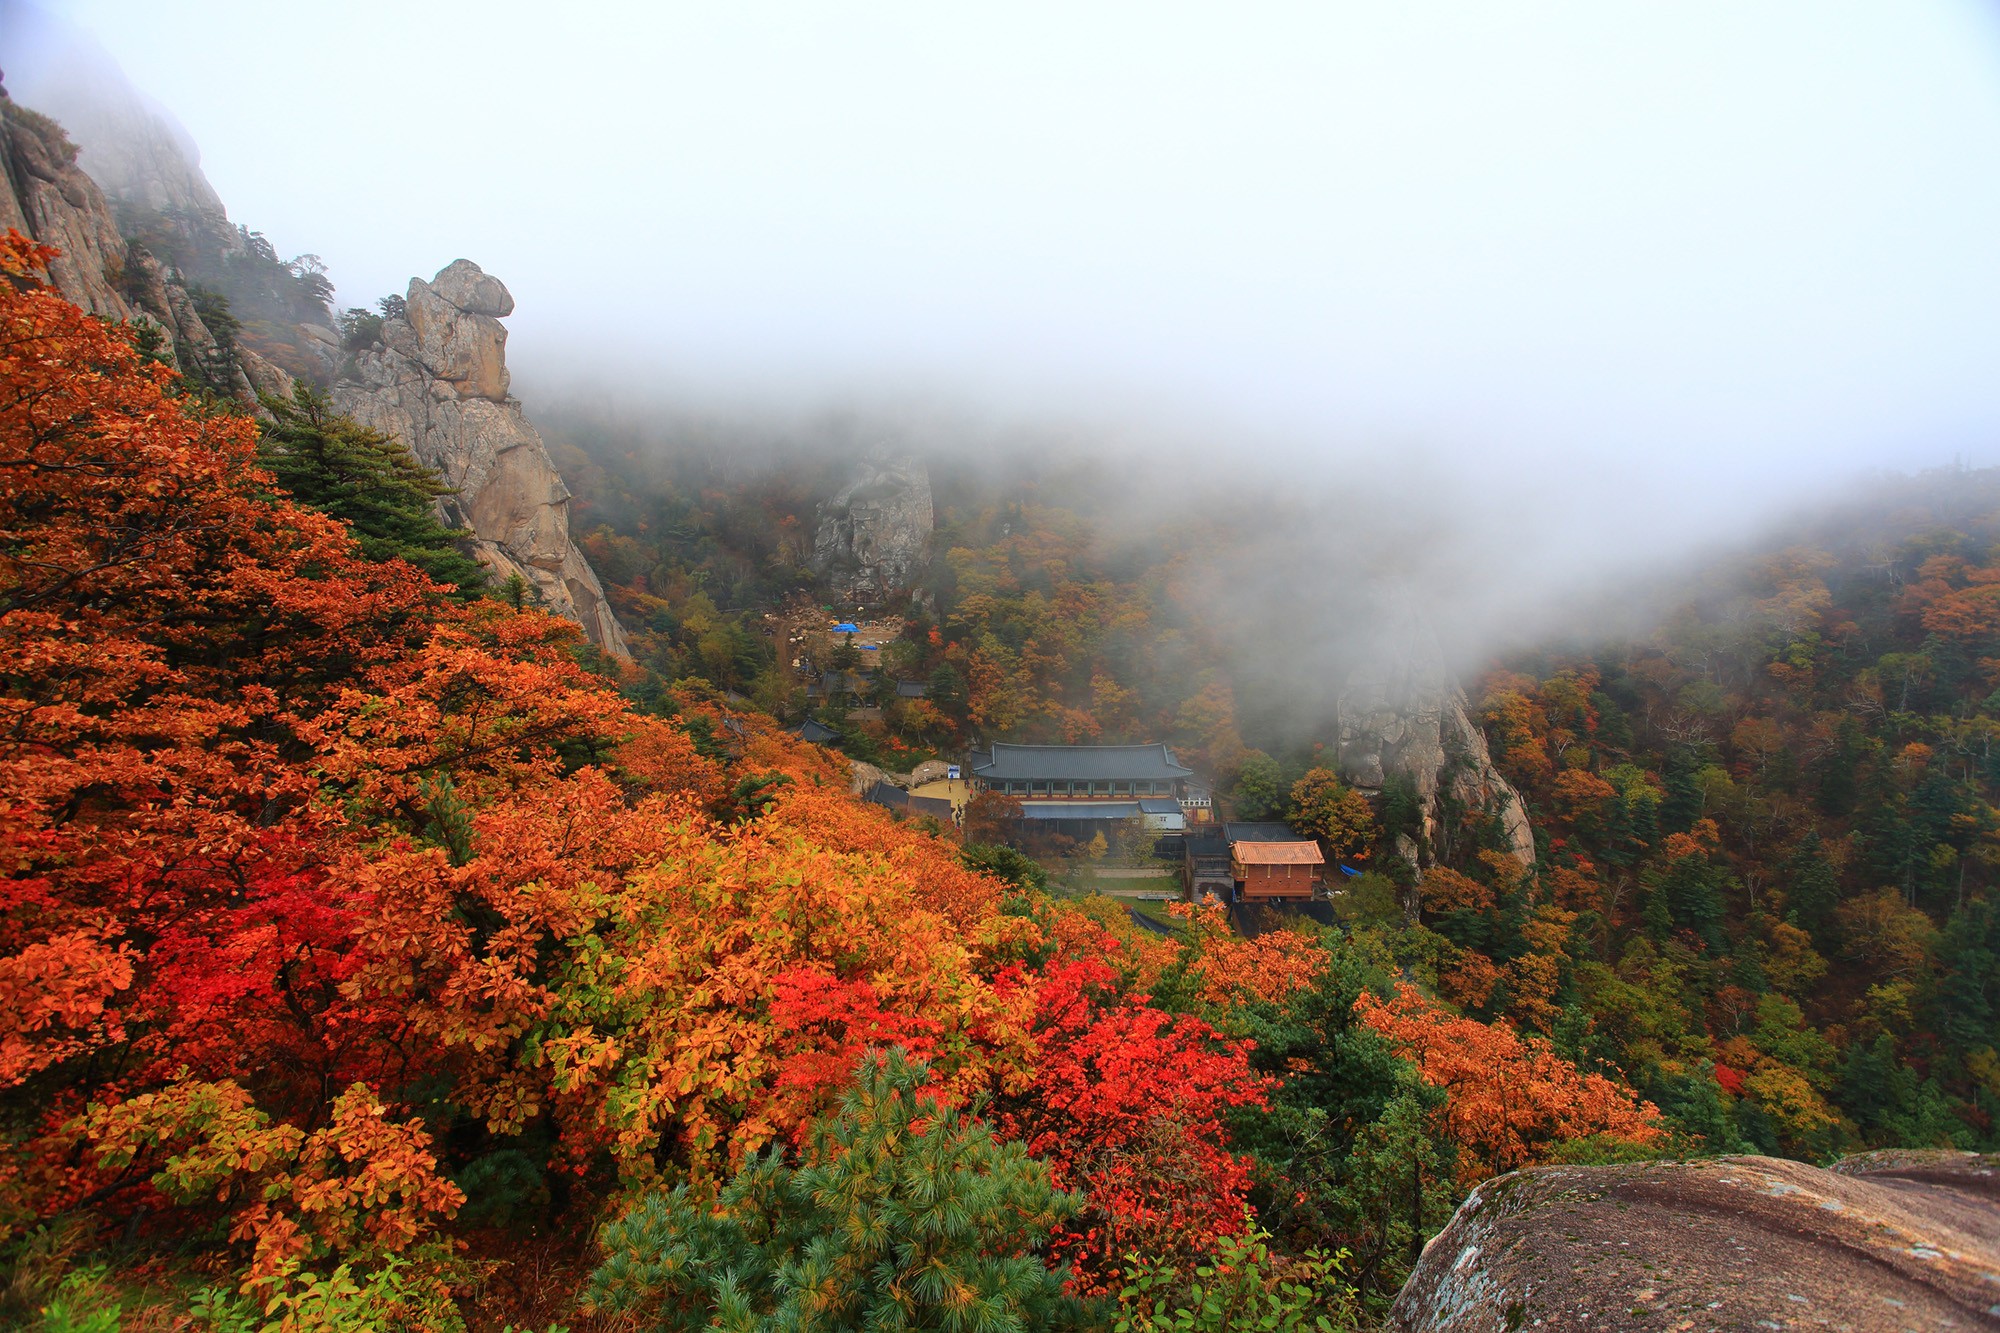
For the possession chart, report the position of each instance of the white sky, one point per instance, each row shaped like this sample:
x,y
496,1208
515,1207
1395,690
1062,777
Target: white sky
x,y
1595,236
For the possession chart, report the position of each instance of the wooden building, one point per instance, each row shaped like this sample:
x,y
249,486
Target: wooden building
x,y
1271,863
1276,871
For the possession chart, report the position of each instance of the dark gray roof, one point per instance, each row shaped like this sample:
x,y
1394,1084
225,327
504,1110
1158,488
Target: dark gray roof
x,y
912,689
816,732
1259,833
1159,805
1207,844
895,798
883,793
1093,763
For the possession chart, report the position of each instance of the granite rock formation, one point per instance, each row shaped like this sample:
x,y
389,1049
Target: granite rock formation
x,y
874,535
48,196
438,381
1879,1244
167,218
1401,713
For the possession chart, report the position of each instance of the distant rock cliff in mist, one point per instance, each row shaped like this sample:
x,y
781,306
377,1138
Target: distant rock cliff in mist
x,y
145,240
1402,714
49,197
874,534
438,380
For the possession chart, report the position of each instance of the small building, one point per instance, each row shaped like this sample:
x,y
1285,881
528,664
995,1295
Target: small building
x,y
1276,871
1198,801
893,797
1163,814
838,685
1270,863
1205,872
912,689
815,732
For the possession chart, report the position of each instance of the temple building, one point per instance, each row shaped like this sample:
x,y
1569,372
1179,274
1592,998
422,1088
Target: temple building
x,y
1081,790
1080,772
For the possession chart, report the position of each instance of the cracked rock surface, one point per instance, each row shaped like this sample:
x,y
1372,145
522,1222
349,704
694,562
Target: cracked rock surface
x,y
1878,1244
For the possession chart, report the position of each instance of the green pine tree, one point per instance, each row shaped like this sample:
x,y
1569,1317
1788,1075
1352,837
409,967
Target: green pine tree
x,y
902,1214
370,482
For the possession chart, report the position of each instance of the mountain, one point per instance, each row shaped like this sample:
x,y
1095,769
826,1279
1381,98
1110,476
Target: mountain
x,y
145,240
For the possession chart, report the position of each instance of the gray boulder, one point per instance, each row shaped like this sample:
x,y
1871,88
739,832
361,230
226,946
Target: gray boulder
x,y
1879,1244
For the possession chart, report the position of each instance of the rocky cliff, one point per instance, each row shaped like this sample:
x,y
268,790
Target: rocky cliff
x,y
138,154
1879,1244
874,535
48,196
437,379
1401,713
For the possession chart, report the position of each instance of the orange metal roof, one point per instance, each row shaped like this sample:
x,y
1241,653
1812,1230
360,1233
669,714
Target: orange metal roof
x,y
1278,853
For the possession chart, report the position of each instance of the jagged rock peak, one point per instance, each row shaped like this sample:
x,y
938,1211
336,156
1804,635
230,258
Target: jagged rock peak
x,y
438,381
874,534
1401,713
448,327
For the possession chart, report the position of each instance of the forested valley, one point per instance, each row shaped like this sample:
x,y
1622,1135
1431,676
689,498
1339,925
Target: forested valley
x,y
379,954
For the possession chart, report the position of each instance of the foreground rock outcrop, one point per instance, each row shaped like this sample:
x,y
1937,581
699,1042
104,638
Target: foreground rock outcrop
x,y
1401,713
438,381
1879,1244
874,535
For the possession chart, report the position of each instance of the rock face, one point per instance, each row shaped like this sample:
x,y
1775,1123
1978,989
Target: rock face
x,y
48,196
874,535
177,232
51,199
1401,713
438,381
138,154
1883,1242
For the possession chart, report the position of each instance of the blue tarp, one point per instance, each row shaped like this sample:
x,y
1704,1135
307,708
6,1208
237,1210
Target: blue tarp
x,y
1349,870
844,628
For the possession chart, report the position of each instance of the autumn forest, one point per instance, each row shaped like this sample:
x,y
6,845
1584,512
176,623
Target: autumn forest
x,y
376,953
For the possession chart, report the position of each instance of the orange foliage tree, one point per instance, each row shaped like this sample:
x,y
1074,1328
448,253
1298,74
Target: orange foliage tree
x,y
1509,1098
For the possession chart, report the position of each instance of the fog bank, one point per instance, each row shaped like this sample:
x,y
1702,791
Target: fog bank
x,y
1508,304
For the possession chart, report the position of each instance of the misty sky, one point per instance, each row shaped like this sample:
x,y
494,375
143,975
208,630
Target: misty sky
x,y
1584,236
